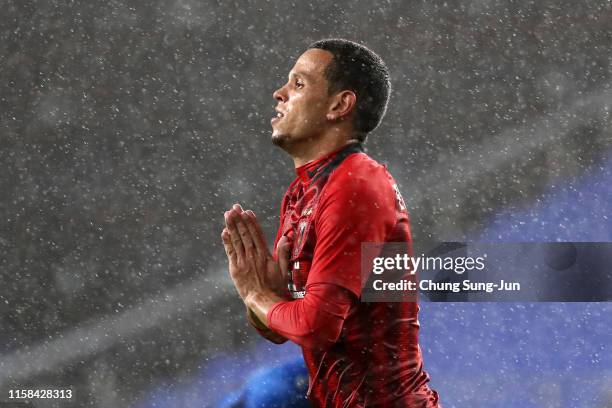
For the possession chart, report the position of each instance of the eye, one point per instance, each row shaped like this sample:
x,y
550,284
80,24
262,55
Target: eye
x,y
298,84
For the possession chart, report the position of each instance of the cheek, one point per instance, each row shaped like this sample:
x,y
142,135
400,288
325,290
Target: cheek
x,y
306,110
296,103
313,108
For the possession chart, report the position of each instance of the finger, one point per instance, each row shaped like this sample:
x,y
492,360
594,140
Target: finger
x,y
235,208
260,247
226,219
261,237
245,236
258,235
283,248
227,244
230,217
238,208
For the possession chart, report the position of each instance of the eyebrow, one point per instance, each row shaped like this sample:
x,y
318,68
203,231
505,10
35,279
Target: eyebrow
x,y
299,73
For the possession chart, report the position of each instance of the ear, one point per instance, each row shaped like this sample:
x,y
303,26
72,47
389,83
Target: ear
x,y
342,104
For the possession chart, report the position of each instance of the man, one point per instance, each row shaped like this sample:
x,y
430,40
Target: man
x,y
357,354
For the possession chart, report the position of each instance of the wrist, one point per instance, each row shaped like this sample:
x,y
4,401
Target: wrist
x,y
254,320
261,302
248,300
253,299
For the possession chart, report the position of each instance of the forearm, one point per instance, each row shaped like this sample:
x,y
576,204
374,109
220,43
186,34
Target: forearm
x,y
260,303
263,330
315,321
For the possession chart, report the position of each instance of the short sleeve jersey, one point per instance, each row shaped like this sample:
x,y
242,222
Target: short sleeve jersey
x,y
336,203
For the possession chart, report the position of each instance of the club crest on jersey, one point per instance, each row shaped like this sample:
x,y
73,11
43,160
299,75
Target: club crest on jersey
x,y
302,226
307,212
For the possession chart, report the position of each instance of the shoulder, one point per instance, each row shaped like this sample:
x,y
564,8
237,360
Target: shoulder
x,y
359,195
361,174
360,164
359,180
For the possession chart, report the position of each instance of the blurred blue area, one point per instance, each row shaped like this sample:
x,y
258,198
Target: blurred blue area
x,y
529,354
518,354
252,377
570,210
281,386
478,354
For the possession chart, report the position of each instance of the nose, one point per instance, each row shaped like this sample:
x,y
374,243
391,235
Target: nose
x,y
280,94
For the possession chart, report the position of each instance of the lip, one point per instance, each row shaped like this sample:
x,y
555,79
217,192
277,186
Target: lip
x,y
276,118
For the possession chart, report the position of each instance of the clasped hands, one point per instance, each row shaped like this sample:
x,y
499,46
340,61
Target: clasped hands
x,y
258,278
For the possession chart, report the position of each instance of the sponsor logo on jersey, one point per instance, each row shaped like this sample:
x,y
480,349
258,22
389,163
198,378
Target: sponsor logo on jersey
x,y
299,294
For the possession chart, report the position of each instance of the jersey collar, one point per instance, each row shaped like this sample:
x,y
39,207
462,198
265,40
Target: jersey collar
x,y
311,171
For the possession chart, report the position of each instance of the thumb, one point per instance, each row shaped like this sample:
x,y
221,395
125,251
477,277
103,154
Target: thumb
x,y
283,249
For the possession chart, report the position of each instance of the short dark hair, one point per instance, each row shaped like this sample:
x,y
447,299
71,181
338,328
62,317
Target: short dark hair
x,y
357,68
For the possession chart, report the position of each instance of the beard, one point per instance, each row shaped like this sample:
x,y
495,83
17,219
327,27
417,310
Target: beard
x,y
292,143
282,140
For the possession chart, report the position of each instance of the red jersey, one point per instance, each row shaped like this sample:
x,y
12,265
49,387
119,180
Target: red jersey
x,y
374,360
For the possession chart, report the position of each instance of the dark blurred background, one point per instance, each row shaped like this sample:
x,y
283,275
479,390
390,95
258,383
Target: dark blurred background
x,y
128,127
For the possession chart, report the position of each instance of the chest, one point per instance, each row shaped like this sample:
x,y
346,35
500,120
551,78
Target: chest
x,y
299,225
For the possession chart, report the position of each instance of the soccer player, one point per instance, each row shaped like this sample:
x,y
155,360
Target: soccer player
x,y
357,354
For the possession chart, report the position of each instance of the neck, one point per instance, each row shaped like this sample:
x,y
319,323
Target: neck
x,y
319,152
322,147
